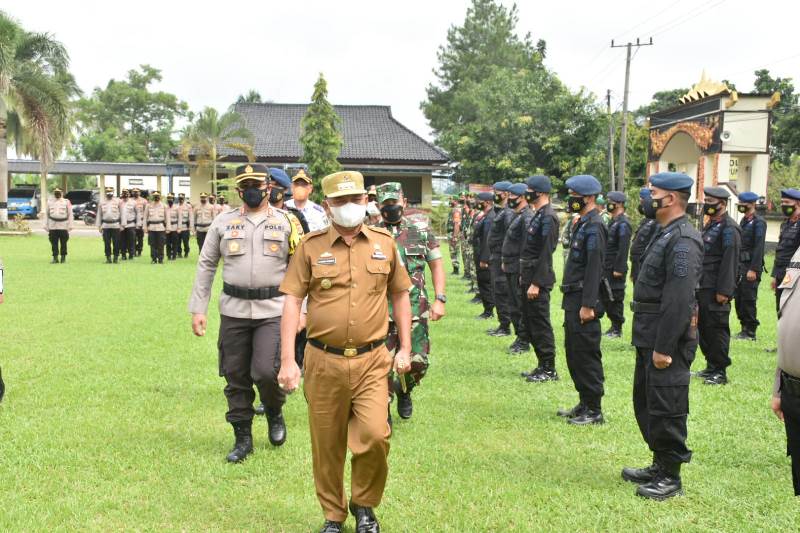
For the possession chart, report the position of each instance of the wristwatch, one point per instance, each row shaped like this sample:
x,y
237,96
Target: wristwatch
x,y
442,298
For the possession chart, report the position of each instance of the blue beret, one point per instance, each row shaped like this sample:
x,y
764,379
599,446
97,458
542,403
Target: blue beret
x,y
616,196
584,185
502,186
518,189
717,192
539,184
280,177
672,181
485,196
644,192
748,197
792,194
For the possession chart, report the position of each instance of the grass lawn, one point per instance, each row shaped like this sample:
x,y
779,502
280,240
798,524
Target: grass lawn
x,y
114,419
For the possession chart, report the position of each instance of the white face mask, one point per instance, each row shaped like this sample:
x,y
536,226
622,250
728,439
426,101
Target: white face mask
x,y
348,215
372,209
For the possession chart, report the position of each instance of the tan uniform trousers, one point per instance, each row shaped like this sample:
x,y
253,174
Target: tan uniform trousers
x,y
347,408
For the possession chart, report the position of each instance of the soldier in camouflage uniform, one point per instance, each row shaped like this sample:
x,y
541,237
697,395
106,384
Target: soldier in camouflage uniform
x,y
454,234
417,247
466,247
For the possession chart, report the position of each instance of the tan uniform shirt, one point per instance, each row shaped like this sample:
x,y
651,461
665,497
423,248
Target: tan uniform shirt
x,y
130,217
203,217
185,217
59,215
109,214
789,323
347,286
141,203
218,209
155,217
255,253
172,218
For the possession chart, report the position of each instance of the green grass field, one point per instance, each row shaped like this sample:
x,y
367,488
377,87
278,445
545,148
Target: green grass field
x,y
114,419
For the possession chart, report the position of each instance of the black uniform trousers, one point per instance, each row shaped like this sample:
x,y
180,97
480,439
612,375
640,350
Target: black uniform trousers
x,y
156,241
111,241
661,403
790,405
515,307
172,244
183,242
250,354
201,238
58,241
615,309
500,293
745,300
128,242
536,316
139,240
715,331
485,292
584,358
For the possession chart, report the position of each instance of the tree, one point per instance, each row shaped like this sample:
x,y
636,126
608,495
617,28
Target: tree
x,y
210,131
126,121
782,176
320,137
786,115
34,98
252,97
661,101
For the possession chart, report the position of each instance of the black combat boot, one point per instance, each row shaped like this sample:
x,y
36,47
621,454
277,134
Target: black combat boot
x,y
746,334
572,413
590,417
55,260
260,409
365,519
243,446
640,476
331,527
276,426
486,315
108,259
541,375
124,257
519,346
703,374
717,378
614,332
63,258
500,331
405,407
665,484
116,259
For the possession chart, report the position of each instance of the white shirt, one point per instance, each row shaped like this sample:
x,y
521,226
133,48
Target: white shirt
x,y
315,214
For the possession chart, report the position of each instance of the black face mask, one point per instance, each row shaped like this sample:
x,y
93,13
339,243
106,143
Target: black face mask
x,y
203,201
109,196
788,210
742,208
253,196
170,202
513,203
611,207
275,195
531,196
498,199
156,198
392,214
656,204
575,204
58,195
711,209
136,195
647,209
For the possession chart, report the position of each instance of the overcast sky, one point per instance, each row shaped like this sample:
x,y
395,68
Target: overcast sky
x,y
383,52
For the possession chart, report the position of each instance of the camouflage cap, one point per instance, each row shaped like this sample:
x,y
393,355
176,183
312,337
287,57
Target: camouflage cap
x,y
389,191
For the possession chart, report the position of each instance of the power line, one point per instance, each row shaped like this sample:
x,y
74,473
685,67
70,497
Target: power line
x,y
648,19
681,19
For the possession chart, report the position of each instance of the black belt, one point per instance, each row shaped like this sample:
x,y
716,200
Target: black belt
x,y
347,352
201,225
58,219
572,287
154,222
644,307
790,384
246,293
117,221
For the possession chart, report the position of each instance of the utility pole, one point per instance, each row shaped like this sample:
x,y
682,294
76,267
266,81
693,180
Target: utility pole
x,y
610,142
623,132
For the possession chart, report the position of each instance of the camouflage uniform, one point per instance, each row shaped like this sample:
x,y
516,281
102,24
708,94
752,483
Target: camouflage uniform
x,y
466,247
417,246
455,244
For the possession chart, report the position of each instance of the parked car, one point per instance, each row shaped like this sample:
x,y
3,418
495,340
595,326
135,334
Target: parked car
x,y
81,200
24,200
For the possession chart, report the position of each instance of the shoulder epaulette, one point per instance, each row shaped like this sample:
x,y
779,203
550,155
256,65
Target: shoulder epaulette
x,y
384,231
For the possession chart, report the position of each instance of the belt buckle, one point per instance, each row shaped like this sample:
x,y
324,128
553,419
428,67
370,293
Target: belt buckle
x,y
350,352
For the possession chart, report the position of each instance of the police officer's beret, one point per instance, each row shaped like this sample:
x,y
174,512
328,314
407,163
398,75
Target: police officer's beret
x,y
644,192
485,196
280,177
502,186
792,194
717,192
748,197
251,172
584,185
672,181
617,197
518,189
539,184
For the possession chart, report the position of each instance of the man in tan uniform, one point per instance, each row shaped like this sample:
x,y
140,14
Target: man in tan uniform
x,y
109,219
58,224
130,221
348,272
155,225
255,245
141,203
202,218
185,225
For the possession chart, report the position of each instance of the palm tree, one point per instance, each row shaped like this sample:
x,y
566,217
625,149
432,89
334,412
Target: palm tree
x,y
252,97
211,131
35,88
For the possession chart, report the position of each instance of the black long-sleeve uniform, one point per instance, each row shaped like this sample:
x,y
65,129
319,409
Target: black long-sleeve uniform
x,y
497,234
641,239
510,252
616,260
788,242
754,232
480,244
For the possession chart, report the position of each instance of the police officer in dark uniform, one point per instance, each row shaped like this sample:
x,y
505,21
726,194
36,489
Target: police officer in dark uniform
x,y
788,241
537,278
615,267
581,302
751,265
480,246
512,246
665,337
644,232
722,242
497,233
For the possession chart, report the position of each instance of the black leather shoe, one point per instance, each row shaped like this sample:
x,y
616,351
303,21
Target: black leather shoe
x,y
331,527
703,374
640,476
365,519
108,260
260,409
244,441
519,347
589,417
500,332
476,300
543,374
533,372
572,413
746,335
663,486
2,386
63,258
718,378
405,408
276,426
54,261
116,259
485,316
613,333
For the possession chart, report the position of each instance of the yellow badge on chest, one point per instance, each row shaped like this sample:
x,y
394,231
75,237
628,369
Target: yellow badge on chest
x,y
274,247
233,247
325,283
